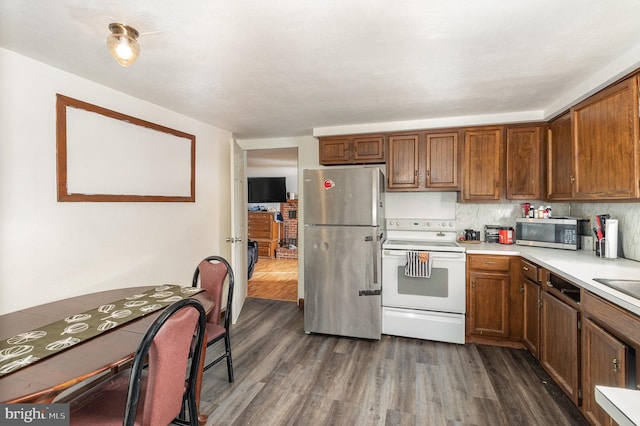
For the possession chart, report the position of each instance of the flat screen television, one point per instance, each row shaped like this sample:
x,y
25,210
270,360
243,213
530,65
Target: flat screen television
x,y
267,189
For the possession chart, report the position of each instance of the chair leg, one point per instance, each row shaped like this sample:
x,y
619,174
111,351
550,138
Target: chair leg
x,y
227,344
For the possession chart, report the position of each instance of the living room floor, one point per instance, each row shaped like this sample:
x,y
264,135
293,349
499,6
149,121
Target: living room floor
x,y
275,279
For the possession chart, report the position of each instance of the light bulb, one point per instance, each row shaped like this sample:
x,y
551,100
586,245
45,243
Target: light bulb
x,y
122,44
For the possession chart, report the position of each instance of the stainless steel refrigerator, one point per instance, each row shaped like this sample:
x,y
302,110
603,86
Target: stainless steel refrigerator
x,y
343,234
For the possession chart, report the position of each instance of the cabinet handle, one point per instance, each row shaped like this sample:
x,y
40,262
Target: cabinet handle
x,y
572,179
521,288
524,268
616,365
549,284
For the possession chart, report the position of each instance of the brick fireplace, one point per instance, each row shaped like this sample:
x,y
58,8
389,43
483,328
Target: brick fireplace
x,y
288,231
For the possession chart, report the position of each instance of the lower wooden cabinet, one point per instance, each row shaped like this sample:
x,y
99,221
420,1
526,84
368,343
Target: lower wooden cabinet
x,y
494,300
581,340
531,328
530,282
604,363
559,344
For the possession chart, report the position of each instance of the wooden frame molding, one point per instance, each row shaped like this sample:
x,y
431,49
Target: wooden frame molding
x,y
143,167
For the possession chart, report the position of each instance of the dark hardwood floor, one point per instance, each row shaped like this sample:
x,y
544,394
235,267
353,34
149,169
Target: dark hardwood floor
x,y
286,377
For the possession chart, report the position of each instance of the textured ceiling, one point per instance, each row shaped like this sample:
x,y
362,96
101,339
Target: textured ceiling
x,y
283,68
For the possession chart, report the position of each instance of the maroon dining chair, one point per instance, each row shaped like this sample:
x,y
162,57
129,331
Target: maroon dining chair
x,y
212,272
160,387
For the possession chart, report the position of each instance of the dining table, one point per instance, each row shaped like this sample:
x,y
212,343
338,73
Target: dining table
x,y
50,378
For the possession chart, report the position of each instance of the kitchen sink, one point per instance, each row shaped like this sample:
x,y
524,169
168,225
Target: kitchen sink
x,y
628,287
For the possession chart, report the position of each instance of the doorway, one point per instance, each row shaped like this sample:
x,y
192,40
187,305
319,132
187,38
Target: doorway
x,y
275,274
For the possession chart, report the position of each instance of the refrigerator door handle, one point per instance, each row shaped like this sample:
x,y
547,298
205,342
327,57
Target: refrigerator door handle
x,y
375,256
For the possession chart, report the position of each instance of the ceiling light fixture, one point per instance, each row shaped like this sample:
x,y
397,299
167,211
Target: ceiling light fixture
x,y
123,44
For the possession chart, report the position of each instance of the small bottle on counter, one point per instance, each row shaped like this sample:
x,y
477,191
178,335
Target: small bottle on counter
x,y
548,212
540,212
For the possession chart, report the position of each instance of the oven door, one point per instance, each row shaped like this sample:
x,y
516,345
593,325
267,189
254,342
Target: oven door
x,y
443,291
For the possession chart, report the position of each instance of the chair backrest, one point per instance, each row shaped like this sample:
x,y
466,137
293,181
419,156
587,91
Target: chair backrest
x,y
175,336
212,272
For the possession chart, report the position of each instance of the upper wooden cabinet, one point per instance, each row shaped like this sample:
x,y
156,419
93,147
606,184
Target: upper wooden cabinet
x,y
442,159
423,161
560,159
482,164
525,177
605,144
352,149
403,163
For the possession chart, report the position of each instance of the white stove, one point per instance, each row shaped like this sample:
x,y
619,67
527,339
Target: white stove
x,y
430,307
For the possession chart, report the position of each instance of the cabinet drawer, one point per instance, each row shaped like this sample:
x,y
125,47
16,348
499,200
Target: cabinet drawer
x,y
264,249
256,234
489,263
620,322
529,270
260,219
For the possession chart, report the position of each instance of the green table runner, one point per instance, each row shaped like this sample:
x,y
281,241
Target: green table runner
x,y
26,348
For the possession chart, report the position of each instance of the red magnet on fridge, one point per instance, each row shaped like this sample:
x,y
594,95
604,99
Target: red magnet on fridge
x,y
328,184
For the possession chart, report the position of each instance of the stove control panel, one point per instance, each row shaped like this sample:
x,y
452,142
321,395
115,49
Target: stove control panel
x,y
421,225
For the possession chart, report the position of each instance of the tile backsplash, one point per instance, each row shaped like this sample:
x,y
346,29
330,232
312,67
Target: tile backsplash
x,y
475,216
628,215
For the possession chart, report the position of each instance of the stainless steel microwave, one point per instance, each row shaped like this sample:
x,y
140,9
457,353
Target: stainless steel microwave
x,y
559,232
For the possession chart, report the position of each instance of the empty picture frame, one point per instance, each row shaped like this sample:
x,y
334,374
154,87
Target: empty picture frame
x,y
103,155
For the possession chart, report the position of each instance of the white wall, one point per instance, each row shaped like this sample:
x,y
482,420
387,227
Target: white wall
x,y
51,250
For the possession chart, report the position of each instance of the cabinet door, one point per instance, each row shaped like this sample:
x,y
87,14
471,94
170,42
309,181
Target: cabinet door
x,y
483,151
531,329
368,149
559,344
604,363
605,141
442,160
524,160
402,166
489,304
334,150
560,159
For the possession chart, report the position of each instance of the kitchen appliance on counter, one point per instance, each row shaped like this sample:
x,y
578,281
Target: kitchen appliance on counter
x,y
433,307
492,233
343,234
559,232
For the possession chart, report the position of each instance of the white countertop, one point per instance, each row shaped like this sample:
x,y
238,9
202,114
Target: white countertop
x,y
579,267
621,404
